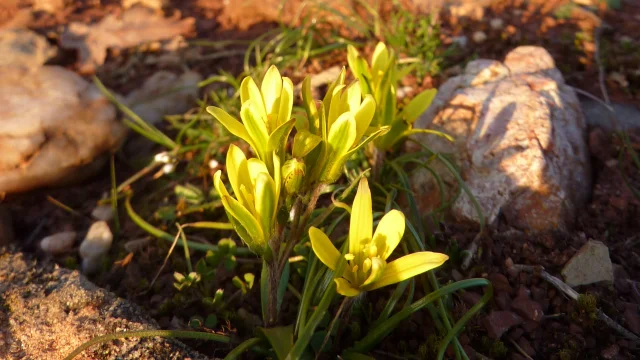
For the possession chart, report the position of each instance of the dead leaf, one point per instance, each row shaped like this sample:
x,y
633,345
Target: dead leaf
x,y
136,26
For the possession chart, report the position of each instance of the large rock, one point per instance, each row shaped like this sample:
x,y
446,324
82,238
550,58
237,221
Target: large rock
x,y
53,125
47,312
519,141
24,47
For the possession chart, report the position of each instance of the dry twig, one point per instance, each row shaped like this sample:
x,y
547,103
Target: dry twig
x,y
567,290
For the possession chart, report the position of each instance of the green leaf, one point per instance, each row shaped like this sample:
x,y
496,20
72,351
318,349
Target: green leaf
x,y
304,142
264,290
232,125
282,287
351,355
418,105
211,321
278,138
318,339
280,338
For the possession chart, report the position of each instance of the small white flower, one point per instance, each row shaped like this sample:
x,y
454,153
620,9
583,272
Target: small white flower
x,y
163,157
168,168
213,164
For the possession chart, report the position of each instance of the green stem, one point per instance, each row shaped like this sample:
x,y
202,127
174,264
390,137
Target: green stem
x,y
240,251
375,335
314,321
460,324
246,345
147,333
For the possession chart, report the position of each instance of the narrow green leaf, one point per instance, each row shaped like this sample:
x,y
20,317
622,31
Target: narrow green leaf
x,y
280,338
282,287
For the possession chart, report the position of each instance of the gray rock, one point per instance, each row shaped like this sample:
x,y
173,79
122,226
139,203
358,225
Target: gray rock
x,y
23,47
95,246
320,79
627,116
519,141
48,311
54,127
591,264
58,243
164,93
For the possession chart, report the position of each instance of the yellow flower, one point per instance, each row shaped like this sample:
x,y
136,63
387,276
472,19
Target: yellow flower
x,y
253,210
367,268
265,113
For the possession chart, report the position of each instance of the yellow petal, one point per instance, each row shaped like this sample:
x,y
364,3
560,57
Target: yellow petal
x,y
379,59
265,203
337,106
255,167
232,125
361,223
286,101
246,219
304,142
271,88
324,248
217,182
407,267
354,96
388,233
364,115
339,141
345,288
377,270
249,91
237,171
256,127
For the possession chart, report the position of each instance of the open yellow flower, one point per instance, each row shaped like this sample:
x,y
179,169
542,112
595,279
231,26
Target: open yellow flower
x,y
253,212
367,268
265,113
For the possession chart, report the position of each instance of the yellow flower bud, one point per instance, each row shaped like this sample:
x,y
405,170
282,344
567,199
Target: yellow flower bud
x,y
293,175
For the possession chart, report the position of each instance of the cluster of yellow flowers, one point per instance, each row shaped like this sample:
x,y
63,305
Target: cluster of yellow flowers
x,y
330,133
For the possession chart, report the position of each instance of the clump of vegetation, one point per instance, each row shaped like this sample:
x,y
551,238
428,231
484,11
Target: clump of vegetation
x,y
586,308
495,349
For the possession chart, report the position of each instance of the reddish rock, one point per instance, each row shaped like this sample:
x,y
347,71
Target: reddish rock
x,y
500,283
503,300
611,352
528,308
575,328
498,322
470,298
525,345
632,319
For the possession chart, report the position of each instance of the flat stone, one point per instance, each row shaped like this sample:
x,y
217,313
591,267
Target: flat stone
x,y
58,243
498,322
527,308
519,140
54,128
49,311
591,264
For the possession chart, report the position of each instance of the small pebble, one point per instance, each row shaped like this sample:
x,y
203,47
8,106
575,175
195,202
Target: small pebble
x,y
58,243
496,23
460,41
479,36
95,245
102,212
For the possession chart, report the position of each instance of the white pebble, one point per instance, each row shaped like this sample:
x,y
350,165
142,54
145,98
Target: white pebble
x,y
97,242
168,168
479,36
213,164
58,243
162,157
496,23
91,265
102,212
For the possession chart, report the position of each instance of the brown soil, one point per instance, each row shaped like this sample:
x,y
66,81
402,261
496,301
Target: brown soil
x,y
611,217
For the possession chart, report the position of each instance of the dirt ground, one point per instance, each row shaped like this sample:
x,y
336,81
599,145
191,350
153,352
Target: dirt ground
x,y
611,217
